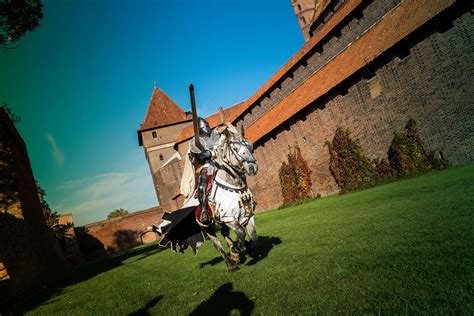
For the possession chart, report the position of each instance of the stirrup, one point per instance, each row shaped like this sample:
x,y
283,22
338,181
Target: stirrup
x,y
204,217
206,222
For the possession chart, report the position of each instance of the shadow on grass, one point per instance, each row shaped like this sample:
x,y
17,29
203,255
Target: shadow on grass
x,y
98,266
84,272
224,301
144,311
211,262
264,246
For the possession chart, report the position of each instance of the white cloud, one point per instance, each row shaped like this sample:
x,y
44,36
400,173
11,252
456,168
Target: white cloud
x,y
91,199
57,153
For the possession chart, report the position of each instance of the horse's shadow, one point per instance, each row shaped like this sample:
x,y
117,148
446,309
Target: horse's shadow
x,y
264,246
211,262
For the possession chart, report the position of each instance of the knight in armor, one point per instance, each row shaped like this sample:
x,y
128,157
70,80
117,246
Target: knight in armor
x,y
203,165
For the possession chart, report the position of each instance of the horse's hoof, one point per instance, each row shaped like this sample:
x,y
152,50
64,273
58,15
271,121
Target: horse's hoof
x,y
235,256
233,268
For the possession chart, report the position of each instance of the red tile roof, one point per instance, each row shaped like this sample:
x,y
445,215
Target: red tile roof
x,y
213,120
162,111
396,25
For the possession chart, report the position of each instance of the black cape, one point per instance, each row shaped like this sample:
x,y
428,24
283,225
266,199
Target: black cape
x,y
183,231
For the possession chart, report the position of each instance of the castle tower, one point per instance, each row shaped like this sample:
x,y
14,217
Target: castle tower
x,y
308,13
164,120
304,10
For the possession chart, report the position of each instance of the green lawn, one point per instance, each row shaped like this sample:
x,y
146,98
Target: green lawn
x,y
399,248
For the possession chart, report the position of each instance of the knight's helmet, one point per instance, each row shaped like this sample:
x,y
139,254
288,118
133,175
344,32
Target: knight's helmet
x,y
204,129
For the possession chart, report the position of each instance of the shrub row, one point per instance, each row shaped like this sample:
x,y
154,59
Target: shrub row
x,y
295,177
352,170
406,156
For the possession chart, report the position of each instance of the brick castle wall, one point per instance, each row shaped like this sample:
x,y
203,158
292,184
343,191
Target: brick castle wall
x,y
423,75
29,254
20,267
119,233
158,151
364,16
70,246
430,83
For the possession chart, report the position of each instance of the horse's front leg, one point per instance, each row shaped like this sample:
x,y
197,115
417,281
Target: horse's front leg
x,y
231,266
252,234
240,232
226,234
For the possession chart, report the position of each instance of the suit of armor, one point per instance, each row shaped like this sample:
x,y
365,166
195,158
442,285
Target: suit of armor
x,y
202,161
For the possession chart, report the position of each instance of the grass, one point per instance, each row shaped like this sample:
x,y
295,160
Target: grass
x,y
399,248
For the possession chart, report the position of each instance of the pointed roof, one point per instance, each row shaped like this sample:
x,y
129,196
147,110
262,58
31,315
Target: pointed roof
x,y
162,111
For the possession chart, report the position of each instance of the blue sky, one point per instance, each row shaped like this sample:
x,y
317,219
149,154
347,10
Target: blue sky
x,y
82,82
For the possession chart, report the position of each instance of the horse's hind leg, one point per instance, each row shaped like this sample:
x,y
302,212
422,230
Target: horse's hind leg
x,y
252,234
231,266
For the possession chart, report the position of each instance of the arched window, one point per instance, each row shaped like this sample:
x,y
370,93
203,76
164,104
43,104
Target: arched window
x,y
161,157
153,134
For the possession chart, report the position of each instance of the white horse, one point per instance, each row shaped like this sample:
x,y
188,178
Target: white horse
x,y
230,198
231,202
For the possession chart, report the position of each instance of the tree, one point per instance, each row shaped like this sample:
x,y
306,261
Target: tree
x,y
15,119
18,17
117,213
9,196
52,218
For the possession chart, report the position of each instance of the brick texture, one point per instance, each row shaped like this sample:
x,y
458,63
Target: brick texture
x,y
369,66
29,254
118,234
431,85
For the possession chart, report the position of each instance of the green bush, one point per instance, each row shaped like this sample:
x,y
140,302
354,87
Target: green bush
x,y
383,169
348,164
408,156
295,177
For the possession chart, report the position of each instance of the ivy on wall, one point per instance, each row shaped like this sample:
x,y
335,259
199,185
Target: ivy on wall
x,y
352,170
406,156
347,162
383,169
407,153
295,177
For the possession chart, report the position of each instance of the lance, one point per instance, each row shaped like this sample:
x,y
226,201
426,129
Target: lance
x,y
197,141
